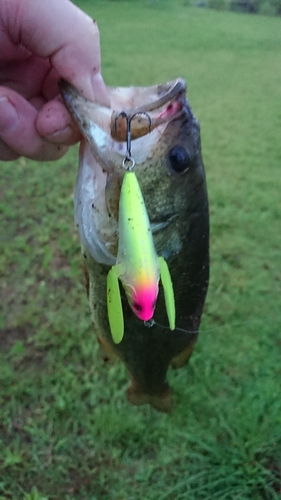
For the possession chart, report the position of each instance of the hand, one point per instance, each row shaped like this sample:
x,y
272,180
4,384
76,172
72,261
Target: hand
x,y
40,42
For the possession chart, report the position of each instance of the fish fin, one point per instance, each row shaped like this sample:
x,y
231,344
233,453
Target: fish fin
x,y
157,226
183,357
114,305
168,292
161,402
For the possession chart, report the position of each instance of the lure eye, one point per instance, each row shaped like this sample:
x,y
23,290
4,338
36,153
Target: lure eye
x,y
180,159
137,307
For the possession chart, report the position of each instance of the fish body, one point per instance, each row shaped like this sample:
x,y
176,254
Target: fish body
x,y
171,177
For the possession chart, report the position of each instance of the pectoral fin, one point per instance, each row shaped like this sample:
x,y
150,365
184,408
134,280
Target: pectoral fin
x,y
168,292
114,305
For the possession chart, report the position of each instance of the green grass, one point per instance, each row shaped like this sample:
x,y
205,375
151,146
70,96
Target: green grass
x,y
67,431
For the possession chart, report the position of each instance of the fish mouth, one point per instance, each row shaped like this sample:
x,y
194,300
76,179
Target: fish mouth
x,y
162,103
168,105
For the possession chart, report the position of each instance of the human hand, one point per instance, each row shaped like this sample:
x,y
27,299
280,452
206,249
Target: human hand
x,y
42,41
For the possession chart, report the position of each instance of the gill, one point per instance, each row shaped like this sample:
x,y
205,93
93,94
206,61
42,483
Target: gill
x,y
138,266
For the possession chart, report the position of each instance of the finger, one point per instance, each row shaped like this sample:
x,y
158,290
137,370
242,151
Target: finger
x,y
55,125
49,87
18,132
6,153
66,35
25,77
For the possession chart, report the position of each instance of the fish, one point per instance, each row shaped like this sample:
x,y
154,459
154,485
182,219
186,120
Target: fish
x,y
169,170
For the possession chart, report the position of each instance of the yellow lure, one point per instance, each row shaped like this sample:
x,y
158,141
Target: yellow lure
x,y
137,265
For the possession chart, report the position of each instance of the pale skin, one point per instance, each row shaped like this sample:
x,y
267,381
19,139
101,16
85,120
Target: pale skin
x,y
42,41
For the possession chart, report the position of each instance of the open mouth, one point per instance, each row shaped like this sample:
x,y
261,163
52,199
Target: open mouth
x,y
161,103
166,107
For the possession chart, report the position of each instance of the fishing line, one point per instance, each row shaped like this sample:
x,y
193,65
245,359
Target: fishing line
x,y
152,322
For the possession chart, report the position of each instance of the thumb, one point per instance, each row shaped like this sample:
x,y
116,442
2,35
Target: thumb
x,y
60,31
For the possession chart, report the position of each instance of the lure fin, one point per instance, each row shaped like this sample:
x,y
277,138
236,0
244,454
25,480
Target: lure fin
x,y
168,292
114,305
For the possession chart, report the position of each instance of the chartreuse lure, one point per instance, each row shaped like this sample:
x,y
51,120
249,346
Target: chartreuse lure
x,y
137,265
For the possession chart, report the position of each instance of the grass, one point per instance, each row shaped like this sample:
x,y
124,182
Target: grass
x,y
67,431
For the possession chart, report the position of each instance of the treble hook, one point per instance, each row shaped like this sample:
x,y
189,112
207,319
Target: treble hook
x,y
128,156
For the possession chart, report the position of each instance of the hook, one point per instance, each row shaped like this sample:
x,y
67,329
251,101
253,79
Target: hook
x,y
128,156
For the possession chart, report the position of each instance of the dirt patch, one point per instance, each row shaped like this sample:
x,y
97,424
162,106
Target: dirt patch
x,y
26,356
8,336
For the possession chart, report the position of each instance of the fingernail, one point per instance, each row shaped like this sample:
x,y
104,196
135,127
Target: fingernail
x,y
8,115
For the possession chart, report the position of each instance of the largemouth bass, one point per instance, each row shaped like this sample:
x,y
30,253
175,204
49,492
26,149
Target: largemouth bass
x,y
170,173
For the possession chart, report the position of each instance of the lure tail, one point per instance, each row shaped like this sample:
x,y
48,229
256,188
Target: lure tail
x,y
168,292
114,305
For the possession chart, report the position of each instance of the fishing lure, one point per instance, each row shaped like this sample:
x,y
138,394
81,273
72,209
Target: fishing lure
x,y
137,265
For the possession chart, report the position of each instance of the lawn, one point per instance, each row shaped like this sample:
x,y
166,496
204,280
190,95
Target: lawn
x,y
66,429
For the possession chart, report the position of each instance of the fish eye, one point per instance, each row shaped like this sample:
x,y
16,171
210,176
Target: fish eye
x,y
137,306
180,159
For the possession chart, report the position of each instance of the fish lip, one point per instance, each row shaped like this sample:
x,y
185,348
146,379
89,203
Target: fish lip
x,y
172,90
166,91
